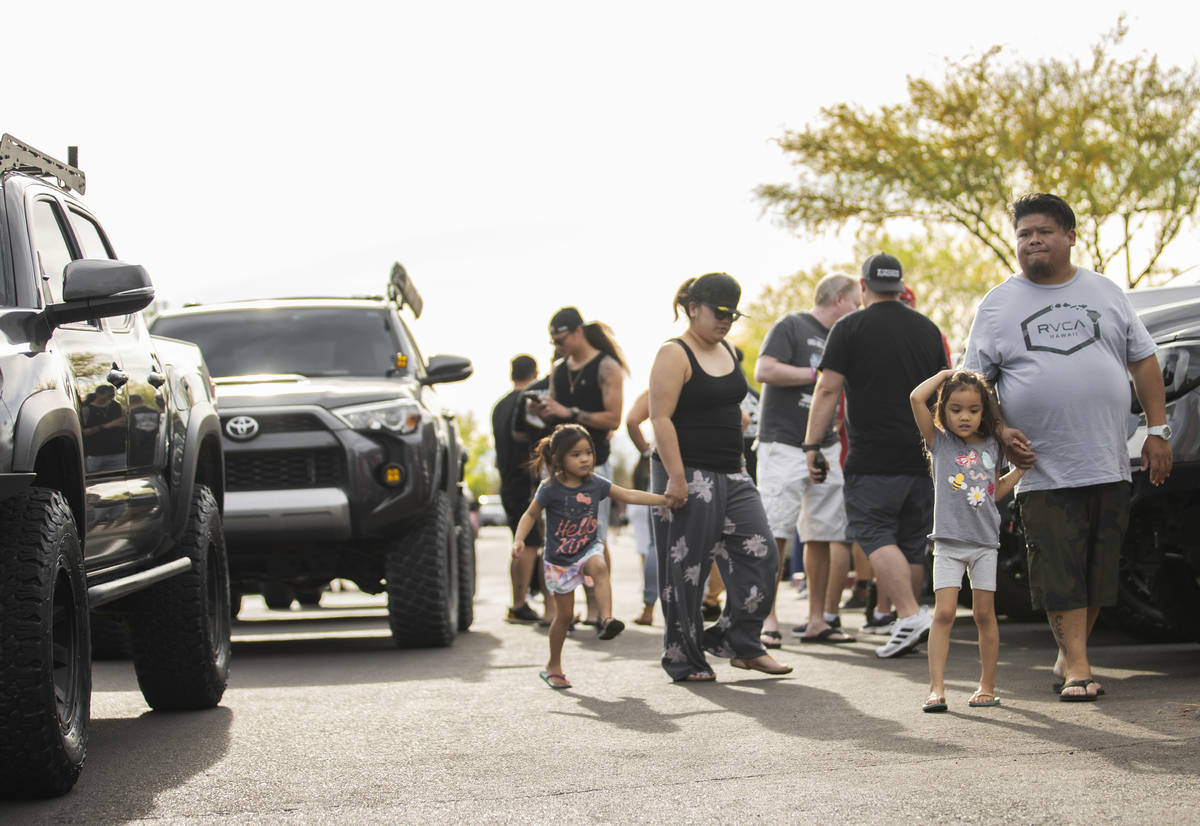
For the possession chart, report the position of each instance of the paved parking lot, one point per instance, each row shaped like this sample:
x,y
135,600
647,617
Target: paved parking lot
x,y
325,721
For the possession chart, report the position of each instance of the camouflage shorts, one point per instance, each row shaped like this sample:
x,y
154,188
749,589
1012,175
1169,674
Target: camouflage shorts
x,y
1073,540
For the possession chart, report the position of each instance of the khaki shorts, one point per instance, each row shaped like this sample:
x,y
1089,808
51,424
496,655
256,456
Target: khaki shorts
x,y
793,501
1073,539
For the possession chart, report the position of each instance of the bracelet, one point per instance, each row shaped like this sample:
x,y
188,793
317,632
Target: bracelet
x,y
807,448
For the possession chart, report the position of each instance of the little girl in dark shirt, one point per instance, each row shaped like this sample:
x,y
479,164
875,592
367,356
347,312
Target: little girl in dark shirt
x,y
570,497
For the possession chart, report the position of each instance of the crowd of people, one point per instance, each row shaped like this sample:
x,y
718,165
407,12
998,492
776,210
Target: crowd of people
x,y
866,446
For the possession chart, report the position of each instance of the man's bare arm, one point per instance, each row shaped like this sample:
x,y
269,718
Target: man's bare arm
x,y
770,370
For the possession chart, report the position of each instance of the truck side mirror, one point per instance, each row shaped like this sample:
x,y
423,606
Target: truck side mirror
x,y
100,288
443,369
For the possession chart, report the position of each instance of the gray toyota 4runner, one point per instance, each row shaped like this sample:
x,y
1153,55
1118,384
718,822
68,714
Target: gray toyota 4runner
x,y
111,482
340,462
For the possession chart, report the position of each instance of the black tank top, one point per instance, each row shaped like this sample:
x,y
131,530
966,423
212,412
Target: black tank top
x,y
581,388
708,417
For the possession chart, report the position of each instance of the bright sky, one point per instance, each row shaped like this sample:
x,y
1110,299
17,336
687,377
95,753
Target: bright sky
x,y
516,157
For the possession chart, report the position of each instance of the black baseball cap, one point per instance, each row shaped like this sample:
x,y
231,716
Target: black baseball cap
x,y
565,320
883,274
718,290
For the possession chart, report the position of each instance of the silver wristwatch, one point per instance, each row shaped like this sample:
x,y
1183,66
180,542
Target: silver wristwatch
x,y
1162,431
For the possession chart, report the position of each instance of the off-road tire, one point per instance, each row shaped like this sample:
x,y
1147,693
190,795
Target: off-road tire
x,y
181,626
277,596
45,647
421,569
465,536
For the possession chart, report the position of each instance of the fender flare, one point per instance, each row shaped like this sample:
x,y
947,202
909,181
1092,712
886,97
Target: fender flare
x,y
45,415
202,422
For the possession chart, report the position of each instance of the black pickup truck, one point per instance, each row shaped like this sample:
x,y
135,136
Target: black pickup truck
x,y
340,460
111,482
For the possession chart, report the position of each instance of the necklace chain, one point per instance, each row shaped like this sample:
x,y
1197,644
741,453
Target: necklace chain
x,y
573,377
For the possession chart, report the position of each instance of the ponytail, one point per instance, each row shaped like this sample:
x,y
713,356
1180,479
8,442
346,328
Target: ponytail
x,y
600,336
682,296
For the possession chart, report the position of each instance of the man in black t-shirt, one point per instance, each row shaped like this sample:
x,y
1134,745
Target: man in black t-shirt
x,y
516,482
103,432
878,355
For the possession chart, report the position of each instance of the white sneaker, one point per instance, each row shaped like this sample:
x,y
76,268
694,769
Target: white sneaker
x,y
906,634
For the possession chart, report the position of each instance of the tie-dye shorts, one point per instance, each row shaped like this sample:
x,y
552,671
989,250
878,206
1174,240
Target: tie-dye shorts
x,y
563,579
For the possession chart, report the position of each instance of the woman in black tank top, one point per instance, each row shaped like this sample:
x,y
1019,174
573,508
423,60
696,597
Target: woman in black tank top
x,y
715,513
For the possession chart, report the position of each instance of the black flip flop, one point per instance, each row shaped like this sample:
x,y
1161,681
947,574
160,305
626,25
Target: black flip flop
x,y
771,639
1077,698
825,637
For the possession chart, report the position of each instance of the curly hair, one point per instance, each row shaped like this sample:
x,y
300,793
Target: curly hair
x,y
989,421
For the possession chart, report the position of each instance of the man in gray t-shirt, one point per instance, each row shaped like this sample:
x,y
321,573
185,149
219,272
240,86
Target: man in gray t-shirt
x,y
787,368
1059,343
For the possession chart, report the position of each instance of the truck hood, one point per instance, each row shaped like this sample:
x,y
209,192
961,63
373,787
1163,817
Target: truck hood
x,y
327,392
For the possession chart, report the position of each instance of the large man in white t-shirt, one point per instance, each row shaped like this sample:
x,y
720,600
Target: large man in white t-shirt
x,y
1060,343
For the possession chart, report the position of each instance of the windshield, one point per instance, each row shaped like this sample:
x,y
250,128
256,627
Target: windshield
x,y
310,341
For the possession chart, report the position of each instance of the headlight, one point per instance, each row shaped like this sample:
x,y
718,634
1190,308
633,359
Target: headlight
x,y
398,417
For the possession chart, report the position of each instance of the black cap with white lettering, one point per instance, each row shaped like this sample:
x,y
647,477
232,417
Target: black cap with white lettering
x,y
882,273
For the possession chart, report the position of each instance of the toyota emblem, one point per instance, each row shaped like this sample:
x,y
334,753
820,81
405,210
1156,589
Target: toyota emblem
x,y
241,428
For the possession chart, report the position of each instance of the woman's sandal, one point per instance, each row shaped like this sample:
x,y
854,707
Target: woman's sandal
x,y
976,700
771,639
777,670
934,702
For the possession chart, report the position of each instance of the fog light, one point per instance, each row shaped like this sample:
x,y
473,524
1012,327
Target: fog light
x,y
391,475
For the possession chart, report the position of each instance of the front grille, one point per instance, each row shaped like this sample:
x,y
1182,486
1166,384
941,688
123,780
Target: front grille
x,y
283,422
284,469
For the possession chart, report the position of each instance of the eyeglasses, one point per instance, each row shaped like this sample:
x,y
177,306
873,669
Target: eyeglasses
x,y
557,341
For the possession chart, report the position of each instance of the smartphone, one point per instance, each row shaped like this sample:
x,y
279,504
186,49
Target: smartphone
x,y
822,467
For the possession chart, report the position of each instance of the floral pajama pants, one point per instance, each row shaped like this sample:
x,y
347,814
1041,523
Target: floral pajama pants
x,y
722,521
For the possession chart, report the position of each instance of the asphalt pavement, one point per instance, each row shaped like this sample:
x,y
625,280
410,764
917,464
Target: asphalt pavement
x,y
325,721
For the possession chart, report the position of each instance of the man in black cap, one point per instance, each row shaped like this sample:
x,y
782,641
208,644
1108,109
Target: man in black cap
x,y
878,355
586,387
516,483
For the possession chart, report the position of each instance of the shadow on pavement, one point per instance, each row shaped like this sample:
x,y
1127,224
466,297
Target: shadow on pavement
x,y
130,762
357,661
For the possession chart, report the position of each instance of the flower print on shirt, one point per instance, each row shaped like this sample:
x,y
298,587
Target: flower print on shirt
x,y
976,496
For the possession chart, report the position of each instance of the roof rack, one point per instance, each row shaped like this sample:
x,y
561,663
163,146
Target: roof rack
x,y
21,157
402,291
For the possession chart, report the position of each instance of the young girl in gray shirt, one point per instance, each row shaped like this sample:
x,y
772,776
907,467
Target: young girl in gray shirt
x,y
962,437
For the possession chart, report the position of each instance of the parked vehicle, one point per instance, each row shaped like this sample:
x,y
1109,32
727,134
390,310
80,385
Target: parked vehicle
x,y
1160,560
339,459
491,511
111,482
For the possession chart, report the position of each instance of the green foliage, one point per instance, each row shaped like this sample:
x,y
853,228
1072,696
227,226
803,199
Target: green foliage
x,y
481,474
1118,139
946,272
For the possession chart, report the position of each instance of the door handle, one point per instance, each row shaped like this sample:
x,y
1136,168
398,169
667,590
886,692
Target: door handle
x,y
156,379
117,377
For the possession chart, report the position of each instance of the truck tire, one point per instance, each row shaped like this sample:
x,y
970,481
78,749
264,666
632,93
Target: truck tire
x,y
181,626
45,647
422,580
465,537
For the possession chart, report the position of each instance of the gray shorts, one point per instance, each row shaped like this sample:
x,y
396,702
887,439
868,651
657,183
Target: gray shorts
x,y
951,559
890,510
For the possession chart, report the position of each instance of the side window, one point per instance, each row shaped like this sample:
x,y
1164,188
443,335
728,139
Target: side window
x,y
51,246
91,239
94,244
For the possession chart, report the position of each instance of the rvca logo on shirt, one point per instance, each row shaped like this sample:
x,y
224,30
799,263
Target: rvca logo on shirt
x,y
1061,328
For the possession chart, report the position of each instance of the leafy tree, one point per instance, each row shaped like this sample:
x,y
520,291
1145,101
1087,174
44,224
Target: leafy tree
x,y
945,272
1119,139
481,474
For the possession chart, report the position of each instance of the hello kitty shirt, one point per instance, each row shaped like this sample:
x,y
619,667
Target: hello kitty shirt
x,y
571,517
964,482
